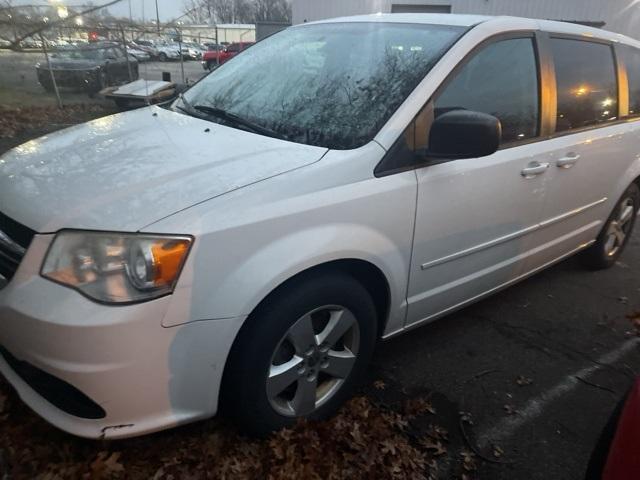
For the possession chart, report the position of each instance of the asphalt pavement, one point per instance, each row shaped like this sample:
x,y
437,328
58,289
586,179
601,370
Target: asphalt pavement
x,y
538,368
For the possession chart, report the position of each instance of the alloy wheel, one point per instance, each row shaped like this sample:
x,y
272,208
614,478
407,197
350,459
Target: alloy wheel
x,y
619,227
312,360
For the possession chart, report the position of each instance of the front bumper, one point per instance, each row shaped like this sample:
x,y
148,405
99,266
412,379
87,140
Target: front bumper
x,y
143,376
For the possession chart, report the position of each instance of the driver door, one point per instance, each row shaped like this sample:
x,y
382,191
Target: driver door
x,y
475,217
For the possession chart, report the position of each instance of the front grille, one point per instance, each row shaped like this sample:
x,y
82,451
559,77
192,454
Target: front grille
x,y
14,241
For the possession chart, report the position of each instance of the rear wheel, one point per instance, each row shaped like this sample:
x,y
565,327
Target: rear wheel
x,y
301,354
616,232
162,57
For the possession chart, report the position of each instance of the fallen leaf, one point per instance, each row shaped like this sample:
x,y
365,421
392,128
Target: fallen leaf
x,y
497,451
436,448
418,406
106,465
466,417
468,461
522,380
379,385
510,409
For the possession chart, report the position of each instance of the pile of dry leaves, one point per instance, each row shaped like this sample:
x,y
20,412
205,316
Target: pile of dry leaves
x,y
17,121
364,441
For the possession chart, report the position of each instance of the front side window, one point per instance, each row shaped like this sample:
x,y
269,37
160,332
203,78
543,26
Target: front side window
x,y
332,85
586,83
631,58
501,80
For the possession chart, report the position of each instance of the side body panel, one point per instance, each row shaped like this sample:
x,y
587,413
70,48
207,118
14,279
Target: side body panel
x,y
474,220
250,241
579,199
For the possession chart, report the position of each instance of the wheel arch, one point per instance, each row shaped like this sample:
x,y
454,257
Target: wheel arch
x,y
366,273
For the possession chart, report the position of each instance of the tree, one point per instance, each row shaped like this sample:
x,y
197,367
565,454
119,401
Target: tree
x,y
237,11
272,10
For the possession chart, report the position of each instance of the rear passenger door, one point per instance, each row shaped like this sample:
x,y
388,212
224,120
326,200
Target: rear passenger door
x,y
586,148
475,217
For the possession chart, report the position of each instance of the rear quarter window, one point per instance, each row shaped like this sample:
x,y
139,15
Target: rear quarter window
x,y
586,83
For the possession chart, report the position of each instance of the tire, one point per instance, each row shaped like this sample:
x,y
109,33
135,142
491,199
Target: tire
x,y
268,340
209,65
162,57
616,232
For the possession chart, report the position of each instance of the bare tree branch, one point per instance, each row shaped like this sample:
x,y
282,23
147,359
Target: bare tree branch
x,y
16,42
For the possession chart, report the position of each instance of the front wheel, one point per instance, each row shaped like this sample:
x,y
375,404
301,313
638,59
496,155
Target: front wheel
x,y
162,57
301,354
616,232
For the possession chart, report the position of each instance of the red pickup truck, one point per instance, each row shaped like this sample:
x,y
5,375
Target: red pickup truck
x,y
217,55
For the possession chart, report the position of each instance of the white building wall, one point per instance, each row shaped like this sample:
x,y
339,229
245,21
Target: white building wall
x,y
621,16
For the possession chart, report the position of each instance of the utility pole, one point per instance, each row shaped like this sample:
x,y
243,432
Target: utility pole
x,y
157,18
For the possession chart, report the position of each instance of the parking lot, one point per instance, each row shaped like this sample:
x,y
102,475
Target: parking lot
x,y
19,83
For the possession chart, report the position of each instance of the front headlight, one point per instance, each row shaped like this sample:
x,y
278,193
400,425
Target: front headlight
x,y
115,267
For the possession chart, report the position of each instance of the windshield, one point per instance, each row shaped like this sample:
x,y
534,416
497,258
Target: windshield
x,y
332,85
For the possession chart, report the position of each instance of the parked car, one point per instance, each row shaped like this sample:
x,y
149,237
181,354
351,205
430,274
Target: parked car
x,y
192,51
167,51
338,183
614,456
90,68
215,57
139,55
146,46
31,42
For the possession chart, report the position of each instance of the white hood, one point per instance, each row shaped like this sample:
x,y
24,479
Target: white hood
x,y
126,171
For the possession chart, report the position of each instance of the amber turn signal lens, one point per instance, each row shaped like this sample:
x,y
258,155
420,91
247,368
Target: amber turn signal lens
x,y
168,258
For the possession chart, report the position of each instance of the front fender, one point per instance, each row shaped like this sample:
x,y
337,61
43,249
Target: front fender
x,y
252,278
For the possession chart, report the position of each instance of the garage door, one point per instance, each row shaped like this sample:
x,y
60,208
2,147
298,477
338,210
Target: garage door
x,y
400,8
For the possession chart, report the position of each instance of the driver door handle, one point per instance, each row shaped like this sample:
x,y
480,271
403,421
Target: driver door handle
x,y
534,169
568,161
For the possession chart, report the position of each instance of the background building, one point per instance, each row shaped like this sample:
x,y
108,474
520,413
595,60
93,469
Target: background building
x,y
621,16
223,32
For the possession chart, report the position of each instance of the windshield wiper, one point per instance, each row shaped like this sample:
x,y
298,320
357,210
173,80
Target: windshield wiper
x,y
236,120
206,111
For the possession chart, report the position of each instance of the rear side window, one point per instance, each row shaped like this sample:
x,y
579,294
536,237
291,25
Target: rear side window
x,y
631,58
501,80
586,83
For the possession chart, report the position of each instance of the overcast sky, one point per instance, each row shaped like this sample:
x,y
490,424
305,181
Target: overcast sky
x,y
169,9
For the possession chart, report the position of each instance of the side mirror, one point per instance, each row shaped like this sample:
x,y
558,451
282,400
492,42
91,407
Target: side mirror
x,y
459,134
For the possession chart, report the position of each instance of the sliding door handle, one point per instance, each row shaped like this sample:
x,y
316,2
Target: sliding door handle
x,y
568,161
534,169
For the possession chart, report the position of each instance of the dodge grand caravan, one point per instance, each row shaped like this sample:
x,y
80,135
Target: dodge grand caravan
x,y
341,182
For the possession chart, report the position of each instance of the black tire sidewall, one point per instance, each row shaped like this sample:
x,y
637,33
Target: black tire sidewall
x,y
244,387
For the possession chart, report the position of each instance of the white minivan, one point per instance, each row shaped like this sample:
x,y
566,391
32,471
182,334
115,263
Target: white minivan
x,y
338,183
